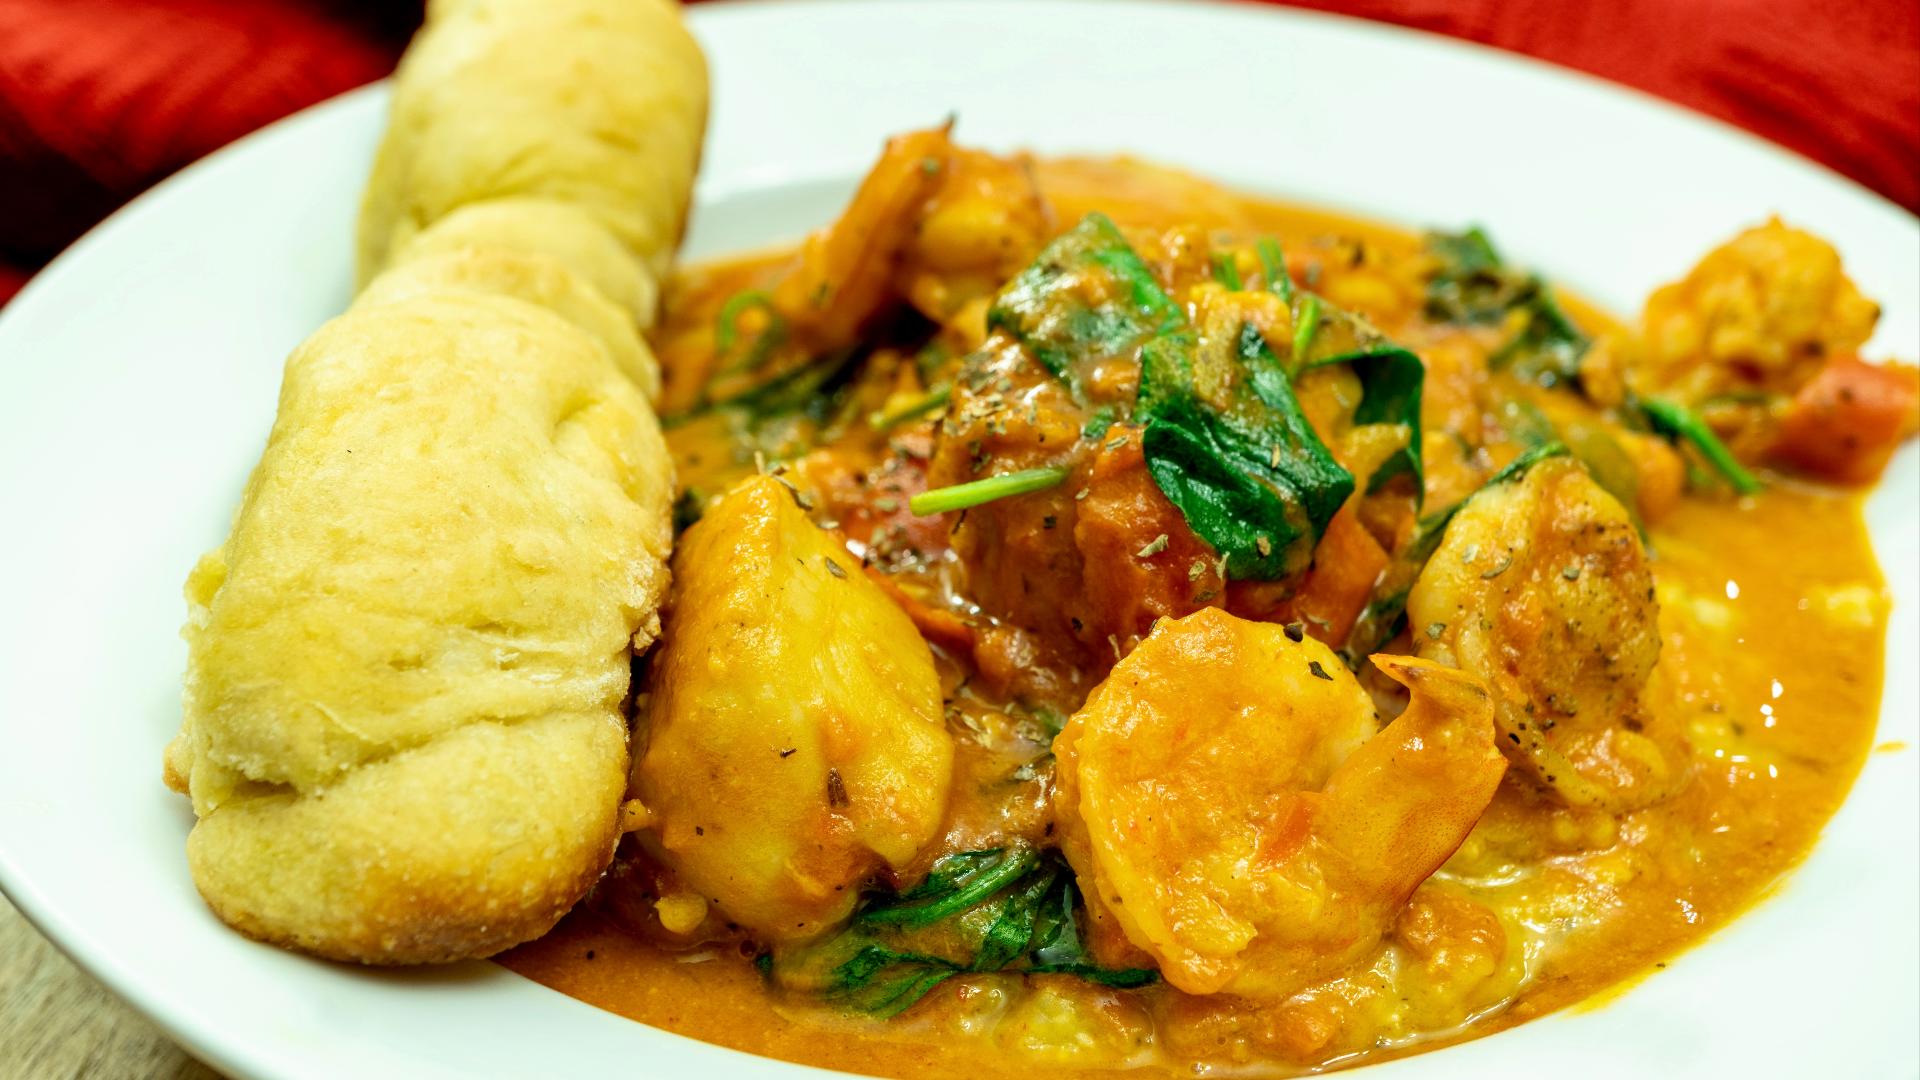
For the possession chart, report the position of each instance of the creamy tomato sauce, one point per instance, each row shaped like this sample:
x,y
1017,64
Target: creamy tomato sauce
x,y
1770,667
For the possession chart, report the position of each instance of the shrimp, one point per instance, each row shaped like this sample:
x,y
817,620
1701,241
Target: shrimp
x,y
1761,312
1225,799
932,223
1541,588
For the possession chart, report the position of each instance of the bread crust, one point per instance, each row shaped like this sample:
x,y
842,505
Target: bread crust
x,y
597,104
404,729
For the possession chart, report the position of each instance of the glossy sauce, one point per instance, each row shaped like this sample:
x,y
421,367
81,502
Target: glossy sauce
x,y
1771,665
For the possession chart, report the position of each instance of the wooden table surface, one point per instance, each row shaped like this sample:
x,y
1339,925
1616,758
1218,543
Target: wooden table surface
x,y
57,1023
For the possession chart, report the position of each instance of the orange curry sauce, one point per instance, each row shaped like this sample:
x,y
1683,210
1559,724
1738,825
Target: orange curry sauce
x,y
1771,667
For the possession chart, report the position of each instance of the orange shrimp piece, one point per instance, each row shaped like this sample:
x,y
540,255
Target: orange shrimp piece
x,y
846,273
1225,799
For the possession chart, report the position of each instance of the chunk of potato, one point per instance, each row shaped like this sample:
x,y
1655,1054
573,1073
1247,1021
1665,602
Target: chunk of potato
x,y
794,742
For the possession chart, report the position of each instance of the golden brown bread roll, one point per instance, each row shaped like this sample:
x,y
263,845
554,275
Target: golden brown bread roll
x,y
525,276
404,734
598,105
560,231
407,666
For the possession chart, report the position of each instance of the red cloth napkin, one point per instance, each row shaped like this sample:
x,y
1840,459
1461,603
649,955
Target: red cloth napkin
x,y
101,98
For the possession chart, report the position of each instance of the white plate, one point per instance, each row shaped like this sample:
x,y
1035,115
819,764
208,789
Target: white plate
x,y
138,378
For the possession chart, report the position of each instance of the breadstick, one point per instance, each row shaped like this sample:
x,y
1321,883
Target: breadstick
x,y
404,726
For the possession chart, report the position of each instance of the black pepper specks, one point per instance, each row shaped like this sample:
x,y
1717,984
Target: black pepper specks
x,y
836,789
1318,672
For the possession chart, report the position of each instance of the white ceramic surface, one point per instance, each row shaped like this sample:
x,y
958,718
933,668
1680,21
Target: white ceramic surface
x,y
138,377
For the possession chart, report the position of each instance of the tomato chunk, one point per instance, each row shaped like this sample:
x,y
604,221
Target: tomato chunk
x,y
1847,421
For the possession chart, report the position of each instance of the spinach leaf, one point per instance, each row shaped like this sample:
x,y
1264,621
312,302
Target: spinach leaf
x,y
1548,349
1059,949
812,390
1391,382
1386,611
886,982
956,883
1248,473
1048,308
1224,436
1391,379
1010,909
1472,285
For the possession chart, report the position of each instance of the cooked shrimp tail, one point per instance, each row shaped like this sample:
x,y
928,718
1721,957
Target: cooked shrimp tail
x,y
1407,796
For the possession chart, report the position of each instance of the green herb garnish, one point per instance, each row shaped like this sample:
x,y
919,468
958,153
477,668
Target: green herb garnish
x,y
975,492
810,389
1674,420
1224,270
883,419
1306,325
1273,264
727,331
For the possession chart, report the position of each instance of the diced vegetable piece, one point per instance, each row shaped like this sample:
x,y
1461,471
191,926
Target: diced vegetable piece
x,y
808,707
1847,421
1345,567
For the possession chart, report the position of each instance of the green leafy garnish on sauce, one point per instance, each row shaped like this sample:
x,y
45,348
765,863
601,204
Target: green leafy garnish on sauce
x,y
1244,467
726,332
1049,306
1472,285
1224,436
1273,266
1009,909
